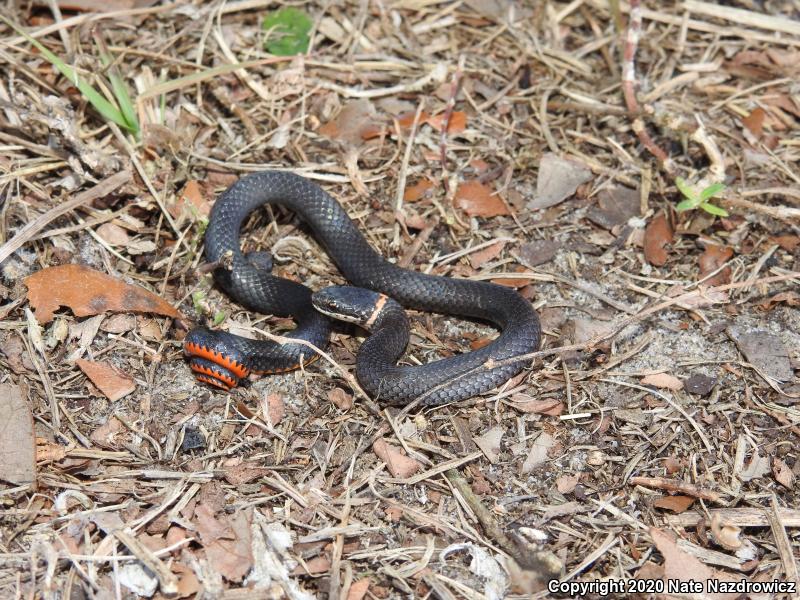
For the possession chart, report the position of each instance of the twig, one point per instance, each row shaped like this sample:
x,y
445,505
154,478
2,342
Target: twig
x,y
628,83
673,485
100,190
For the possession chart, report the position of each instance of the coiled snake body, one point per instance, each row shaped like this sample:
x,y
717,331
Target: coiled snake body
x,y
221,359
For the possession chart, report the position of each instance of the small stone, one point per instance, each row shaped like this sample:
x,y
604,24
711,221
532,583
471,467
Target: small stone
x,y
700,385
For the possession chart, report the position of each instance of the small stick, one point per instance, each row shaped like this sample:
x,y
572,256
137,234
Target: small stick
x,y
448,113
629,81
673,485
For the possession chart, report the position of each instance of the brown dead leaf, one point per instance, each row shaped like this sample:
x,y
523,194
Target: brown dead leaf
x,y
457,123
657,235
358,589
755,122
533,254
788,298
557,180
107,378
356,121
104,435
783,474
315,566
787,242
676,504
615,206
417,191
663,381
538,452
399,465
711,260
191,202
17,440
47,451
274,408
681,566
566,484
226,540
489,443
88,292
548,406
244,472
480,258
112,234
341,399
478,200
765,350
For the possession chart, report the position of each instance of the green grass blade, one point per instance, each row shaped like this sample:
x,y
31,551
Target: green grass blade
x,y
95,98
685,205
121,93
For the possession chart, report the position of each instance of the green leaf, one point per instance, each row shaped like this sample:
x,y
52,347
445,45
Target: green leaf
x,y
291,27
714,210
711,191
219,318
95,98
686,205
686,189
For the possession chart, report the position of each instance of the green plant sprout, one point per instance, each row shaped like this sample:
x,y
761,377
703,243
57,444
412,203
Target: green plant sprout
x,y
122,113
693,199
292,27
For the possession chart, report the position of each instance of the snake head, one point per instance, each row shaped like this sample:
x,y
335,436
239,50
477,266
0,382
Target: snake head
x,y
214,358
351,304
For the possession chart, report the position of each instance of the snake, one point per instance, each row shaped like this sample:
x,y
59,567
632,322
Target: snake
x,y
380,292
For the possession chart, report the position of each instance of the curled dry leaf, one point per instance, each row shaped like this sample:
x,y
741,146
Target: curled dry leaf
x,y
755,121
788,298
112,234
663,381
88,292
725,535
399,465
657,235
357,121
712,259
478,200
17,441
107,378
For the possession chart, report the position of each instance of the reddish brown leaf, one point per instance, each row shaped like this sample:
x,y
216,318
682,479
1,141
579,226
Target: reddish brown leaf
x,y
88,292
478,259
681,566
478,200
341,399
417,191
406,119
275,408
755,121
399,465
315,566
358,589
191,201
663,381
17,441
789,298
783,474
566,483
711,260
787,242
657,236
550,406
107,378
676,504
355,120
457,123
